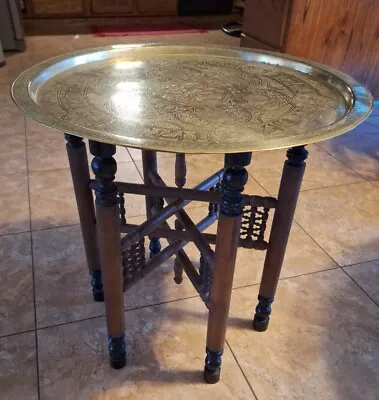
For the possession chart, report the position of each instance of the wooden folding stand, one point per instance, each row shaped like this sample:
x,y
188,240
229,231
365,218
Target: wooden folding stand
x,y
119,247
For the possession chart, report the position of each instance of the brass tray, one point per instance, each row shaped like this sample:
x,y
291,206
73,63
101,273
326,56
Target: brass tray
x,y
191,99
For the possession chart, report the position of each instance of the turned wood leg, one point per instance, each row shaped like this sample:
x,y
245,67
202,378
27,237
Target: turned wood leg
x,y
149,164
180,181
77,157
289,189
108,232
228,232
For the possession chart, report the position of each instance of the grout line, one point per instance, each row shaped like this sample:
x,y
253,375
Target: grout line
x,y
317,244
288,277
16,333
343,163
135,164
372,125
339,266
125,310
66,168
360,262
189,207
54,227
256,181
362,180
12,234
360,287
372,182
334,186
242,371
33,270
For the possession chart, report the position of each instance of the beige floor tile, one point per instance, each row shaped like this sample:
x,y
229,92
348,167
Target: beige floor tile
x,y
165,358
14,204
12,121
211,37
199,167
12,68
135,204
343,220
52,199
321,344
375,110
159,286
136,154
122,154
322,170
303,255
367,277
13,155
46,147
358,149
18,368
40,48
11,118
12,125
63,290
373,119
16,293
6,98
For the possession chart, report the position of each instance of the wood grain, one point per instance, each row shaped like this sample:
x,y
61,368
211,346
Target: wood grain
x,y
156,7
362,58
343,35
43,7
112,6
321,30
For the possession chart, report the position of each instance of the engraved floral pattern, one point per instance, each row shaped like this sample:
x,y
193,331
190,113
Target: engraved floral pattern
x,y
193,100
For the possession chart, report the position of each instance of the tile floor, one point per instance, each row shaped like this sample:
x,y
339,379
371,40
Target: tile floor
x,y
323,341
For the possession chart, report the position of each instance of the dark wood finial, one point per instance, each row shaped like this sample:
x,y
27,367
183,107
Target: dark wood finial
x,y
296,156
262,313
233,181
121,199
104,167
74,141
180,170
212,368
117,351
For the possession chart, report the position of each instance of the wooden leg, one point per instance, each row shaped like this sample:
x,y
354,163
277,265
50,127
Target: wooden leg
x,y
228,232
108,231
149,163
180,181
289,189
77,157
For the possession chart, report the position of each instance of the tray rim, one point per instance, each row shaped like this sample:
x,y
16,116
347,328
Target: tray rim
x,y
361,107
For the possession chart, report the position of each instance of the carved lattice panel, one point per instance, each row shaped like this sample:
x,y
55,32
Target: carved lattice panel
x,y
253,227
133,262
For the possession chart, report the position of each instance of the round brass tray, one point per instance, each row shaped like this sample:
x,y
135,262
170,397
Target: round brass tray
x,y
191,99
